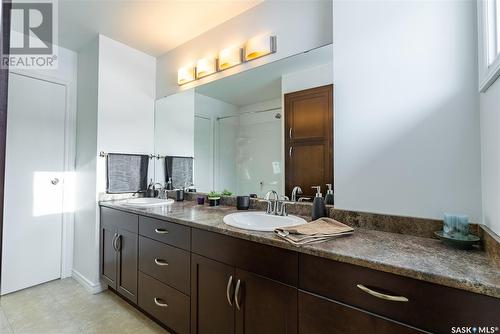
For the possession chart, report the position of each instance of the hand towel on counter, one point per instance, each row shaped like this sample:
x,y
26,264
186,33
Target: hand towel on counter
x,y
126,173
179,170
319,230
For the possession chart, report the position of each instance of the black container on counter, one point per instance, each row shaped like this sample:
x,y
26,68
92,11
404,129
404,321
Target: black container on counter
x,y
242,202
179,195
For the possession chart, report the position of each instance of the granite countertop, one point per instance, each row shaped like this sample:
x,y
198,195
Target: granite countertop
x,y
415,257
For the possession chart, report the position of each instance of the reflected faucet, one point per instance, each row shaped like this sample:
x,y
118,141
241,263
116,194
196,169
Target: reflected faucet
x,y
296,190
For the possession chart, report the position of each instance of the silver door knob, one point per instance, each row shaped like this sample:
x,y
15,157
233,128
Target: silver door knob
x,y
54,181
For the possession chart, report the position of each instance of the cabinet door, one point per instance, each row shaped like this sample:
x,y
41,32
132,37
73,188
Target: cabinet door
x,y
212,303
309,139
264,306
126,284
108,255
318,315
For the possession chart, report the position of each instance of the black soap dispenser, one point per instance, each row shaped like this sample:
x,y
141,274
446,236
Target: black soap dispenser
x,y
318,207
329,195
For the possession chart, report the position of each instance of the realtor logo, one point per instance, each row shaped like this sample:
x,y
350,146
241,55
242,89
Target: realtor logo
x,y
33,35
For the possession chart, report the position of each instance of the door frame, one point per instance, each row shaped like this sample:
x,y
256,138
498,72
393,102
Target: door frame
x,y
4,80
68,223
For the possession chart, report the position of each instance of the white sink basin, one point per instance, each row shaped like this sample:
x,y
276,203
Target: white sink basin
x,y
144,202
261,221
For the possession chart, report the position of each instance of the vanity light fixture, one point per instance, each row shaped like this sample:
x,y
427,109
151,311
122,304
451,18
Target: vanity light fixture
x,y
259,46
205,66
254,48
229,57
186,74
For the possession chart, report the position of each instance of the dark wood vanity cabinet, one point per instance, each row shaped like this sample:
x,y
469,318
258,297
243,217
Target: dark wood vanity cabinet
x,y
196,281
229,300
119,241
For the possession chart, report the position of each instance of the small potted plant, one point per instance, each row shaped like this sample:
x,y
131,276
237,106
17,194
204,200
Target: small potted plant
x,y
213,198
226,193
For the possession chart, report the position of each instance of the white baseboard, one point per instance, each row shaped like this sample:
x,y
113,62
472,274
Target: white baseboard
x,y
88,284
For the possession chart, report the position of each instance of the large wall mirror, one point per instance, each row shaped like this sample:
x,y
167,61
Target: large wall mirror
x,y
268,128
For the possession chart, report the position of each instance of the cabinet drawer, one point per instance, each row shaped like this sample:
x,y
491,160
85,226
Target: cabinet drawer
x,y
318,315
272,262
165,263
117,218
169,233
430,306
166,304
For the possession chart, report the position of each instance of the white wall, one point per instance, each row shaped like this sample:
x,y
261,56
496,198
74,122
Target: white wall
x,y
259,160
126,98
86,233
299,26
175,125
174,129
116,87
126,103
406,107
211,108
317,76
490,149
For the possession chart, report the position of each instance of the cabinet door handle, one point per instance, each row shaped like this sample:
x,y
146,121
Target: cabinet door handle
x,y
290,133
118,242
382,295
159,302
228,294
237,295
290,151
161,262
114,242
161,231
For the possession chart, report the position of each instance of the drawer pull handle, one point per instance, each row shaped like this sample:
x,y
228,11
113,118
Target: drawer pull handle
x,y
237,294
228,294
161,262
159,302
382,295
161,231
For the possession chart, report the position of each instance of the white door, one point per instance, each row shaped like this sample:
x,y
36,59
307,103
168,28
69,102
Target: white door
x,y
34,179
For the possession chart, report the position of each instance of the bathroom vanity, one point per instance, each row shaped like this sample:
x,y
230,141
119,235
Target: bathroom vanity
x,y
189,271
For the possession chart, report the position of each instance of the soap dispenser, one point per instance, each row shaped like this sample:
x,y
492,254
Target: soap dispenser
x,y
318,207
329,195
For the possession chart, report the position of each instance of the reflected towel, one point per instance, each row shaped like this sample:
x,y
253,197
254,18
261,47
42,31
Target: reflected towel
x,y
126,173
180,170
319,230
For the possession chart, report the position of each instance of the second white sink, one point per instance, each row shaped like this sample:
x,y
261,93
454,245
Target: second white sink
x,y
143,202
261,221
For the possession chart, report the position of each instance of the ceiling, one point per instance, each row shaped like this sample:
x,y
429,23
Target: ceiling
x,y
154,27
263,83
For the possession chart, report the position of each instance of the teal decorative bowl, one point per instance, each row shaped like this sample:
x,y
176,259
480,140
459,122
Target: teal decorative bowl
x,y
460,243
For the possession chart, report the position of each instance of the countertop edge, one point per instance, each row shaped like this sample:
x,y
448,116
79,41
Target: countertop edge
x,y
470,286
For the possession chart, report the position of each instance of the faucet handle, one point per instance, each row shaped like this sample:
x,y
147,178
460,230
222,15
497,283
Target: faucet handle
x,y
282,211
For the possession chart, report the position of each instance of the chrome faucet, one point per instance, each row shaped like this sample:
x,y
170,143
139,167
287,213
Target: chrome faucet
x,y
296,190
276,206
162,191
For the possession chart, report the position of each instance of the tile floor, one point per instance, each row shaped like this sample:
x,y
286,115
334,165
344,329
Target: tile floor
x,y
65,307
